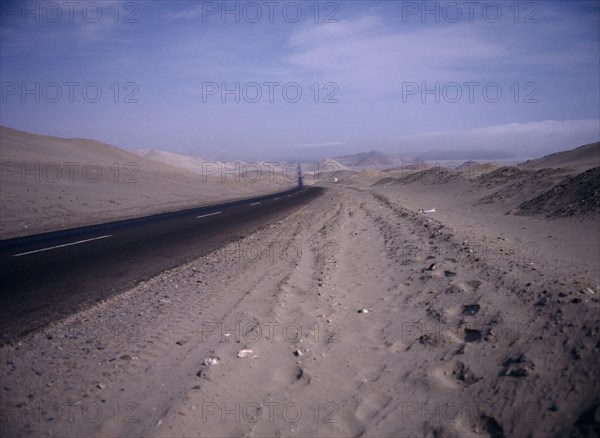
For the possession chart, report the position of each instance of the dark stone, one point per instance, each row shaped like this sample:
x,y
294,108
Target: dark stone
x,y
470,309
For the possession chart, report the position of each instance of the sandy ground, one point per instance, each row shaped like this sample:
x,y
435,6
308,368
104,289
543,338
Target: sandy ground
x,y
51,183
364,317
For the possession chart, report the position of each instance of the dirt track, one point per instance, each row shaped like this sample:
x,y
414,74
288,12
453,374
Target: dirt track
x,y
474,345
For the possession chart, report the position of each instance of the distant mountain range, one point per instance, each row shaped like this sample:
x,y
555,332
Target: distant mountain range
x,y
380,160
366,159
463,155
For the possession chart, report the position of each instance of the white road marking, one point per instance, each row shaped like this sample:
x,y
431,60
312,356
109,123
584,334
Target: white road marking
x,y
62,246
255,203
209,214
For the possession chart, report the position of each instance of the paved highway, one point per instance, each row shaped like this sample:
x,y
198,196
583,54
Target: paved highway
x,y
48,276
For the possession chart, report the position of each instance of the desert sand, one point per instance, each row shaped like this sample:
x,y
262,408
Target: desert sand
x,y
51,183
363,313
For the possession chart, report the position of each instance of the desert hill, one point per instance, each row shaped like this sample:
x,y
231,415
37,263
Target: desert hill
x,y
51,183
191,163
366,159
586,156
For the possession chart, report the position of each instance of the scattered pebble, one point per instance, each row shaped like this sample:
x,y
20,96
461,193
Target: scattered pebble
x,y
244,353
470,309
211,361
517,367
472,335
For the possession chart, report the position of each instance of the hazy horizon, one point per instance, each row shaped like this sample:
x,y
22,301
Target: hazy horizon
x,y
358,76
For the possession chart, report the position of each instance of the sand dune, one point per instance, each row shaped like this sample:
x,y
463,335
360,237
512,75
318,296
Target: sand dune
x,y
511,185
192,163
331,165
368,176
325,170
367,159
556,185
51,183
586,156
575,197
384,320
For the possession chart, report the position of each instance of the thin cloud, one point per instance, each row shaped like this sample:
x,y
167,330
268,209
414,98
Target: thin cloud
x,y
316,145
524,138
184,14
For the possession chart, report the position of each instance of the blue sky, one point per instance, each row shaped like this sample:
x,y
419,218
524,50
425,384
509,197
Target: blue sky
x,y
371,62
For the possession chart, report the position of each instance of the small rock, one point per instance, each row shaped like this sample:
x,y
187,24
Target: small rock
x,y
517,372
101,385
431,267
453,289
470,309
464,374
363,310
517,367
244,353
298,353
211,361
472,335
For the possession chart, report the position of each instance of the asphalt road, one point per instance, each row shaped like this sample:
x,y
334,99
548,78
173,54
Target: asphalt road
x,y
49,276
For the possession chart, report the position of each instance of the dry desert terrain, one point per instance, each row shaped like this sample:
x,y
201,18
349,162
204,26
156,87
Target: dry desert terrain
x,y
362,313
